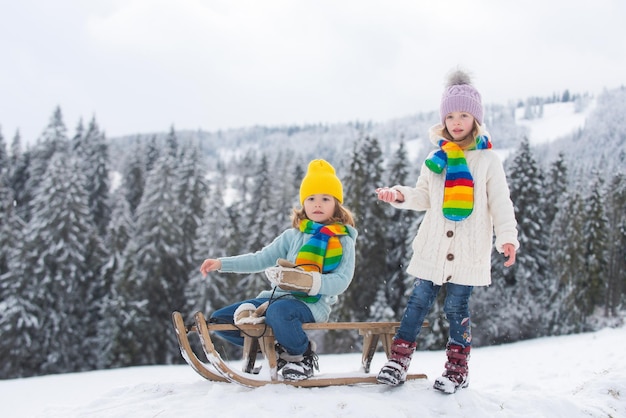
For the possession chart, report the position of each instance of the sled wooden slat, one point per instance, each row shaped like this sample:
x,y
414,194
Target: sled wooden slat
x,y
261,336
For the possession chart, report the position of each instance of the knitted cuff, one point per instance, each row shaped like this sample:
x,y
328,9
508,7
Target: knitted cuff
x,y
317,283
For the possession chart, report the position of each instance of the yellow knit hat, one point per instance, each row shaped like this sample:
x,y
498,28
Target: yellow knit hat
x,y
320,178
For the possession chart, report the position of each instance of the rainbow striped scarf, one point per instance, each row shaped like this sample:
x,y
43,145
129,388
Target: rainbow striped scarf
x,y
458,194
322,253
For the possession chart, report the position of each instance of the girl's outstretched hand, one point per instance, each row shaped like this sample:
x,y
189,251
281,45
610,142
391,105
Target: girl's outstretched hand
x,y
509,252
389,195
210,264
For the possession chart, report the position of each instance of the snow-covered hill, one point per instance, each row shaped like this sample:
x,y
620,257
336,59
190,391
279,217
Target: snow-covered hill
x,y
570,376
558,120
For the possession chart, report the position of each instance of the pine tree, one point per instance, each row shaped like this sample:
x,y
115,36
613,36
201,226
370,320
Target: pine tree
x,y
92,151
19,321
126,321
4,155
400,233
191,190
371,270
152,153
260,224
567,257
134,178
19,174
512,308
209,293
596,251
154,272
64,256
53,139
616,269
555,185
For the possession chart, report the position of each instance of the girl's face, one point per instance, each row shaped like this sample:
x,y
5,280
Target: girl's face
x,y
460,125
319,207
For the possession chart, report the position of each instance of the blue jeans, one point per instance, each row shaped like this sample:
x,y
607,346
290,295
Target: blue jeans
x,y
285,316
456,307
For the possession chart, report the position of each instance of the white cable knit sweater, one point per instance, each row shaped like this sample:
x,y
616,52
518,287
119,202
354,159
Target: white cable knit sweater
x,y
460,252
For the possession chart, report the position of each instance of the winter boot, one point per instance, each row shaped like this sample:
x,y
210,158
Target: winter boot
x,y
456,374
281,355
394,371
300,367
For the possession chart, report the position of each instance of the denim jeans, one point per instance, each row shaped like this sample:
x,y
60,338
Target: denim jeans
x,y
456,308
285,316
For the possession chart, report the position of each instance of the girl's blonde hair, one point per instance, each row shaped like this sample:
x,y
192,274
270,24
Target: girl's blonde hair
x,y
342,215
444,131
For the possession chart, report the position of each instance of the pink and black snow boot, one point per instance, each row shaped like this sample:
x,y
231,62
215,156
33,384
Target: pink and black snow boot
x,y
394,371
456,374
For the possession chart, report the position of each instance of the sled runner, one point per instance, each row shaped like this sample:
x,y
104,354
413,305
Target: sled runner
x,y
260,337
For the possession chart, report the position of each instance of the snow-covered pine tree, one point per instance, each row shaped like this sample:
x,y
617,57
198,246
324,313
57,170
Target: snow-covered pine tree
x,y
380,309
596,229
126,320
512,310
260,229
62,256
53,139
239,206
152,153
7,212
364,176
19,169
158,269
171,142
400,233
567,259
19,320
288,171
93,154
556,184
191,190
117,312
4,155
134,177
217,290
616,269
214,239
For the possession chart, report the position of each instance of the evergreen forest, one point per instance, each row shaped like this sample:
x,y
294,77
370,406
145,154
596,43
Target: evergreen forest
x,y
102,238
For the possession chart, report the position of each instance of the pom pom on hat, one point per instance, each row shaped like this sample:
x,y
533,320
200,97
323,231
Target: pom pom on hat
x,y
461,96
320,178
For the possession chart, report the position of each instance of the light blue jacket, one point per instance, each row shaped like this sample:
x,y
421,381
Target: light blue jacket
x,y
286,246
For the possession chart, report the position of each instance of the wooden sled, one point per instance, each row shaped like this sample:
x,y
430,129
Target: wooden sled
x,y
260,337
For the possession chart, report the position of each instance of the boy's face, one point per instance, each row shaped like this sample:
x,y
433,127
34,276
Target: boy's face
x,y
460,125
319,207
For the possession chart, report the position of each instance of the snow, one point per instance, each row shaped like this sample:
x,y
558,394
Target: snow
x,y
569,376
558,120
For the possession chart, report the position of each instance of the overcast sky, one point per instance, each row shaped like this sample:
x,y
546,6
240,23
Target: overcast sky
x,y
142,66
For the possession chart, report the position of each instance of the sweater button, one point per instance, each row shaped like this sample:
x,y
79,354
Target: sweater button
x,y
448,278
450,234
450,257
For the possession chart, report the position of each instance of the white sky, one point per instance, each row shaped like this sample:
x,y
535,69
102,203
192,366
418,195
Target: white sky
x,y
142,65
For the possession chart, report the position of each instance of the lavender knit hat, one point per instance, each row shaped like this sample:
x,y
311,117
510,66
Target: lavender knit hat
x,y
461,96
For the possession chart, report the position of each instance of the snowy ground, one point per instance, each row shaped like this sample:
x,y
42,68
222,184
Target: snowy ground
x,y
572,376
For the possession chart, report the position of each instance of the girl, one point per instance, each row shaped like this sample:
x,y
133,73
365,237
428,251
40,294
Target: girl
x,y
315,264
462,187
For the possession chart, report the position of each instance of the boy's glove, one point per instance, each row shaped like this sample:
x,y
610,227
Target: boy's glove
x,y
247,313
291,278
